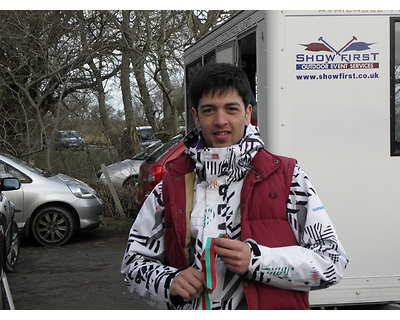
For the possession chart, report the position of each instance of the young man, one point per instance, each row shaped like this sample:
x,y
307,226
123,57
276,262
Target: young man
x,y
231,226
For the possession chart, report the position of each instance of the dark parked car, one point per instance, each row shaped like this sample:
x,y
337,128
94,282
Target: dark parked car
x,y
9,234
153,168
69,139
146,136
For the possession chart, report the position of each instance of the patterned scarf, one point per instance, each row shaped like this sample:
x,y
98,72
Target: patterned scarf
x,y
236,158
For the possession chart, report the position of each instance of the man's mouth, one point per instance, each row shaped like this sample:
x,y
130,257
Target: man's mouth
x,y
224,133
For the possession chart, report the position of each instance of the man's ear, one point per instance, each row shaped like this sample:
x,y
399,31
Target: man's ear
x,y
249,110
195,117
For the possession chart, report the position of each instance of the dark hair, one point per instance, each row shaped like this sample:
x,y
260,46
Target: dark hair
x,y
219,77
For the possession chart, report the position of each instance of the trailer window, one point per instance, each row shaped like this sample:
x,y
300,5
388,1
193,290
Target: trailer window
x,y
190,72
395,87
210,57
248,62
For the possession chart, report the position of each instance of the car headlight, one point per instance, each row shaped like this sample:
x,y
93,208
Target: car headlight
x,y
81,192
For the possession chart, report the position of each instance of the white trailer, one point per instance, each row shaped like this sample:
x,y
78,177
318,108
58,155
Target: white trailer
x,y
326,85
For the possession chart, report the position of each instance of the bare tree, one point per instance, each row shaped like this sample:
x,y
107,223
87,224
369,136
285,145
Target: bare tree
x,y
35,62
104,64
154,42
48,56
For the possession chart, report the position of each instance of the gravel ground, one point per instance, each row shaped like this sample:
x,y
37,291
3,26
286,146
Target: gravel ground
x,y
81,275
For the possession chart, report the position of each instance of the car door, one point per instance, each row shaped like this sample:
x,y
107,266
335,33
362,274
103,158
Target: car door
x,y
16,196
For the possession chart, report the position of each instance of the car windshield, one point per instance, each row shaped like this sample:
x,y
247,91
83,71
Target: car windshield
x,y
159,152
146,152
27,165
69,134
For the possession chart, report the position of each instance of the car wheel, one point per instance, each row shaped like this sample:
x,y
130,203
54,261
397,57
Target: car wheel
x,y
53,226
130,182
12,249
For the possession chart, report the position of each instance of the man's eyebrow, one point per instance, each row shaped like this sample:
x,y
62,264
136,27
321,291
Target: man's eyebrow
x,y
207,105
232,103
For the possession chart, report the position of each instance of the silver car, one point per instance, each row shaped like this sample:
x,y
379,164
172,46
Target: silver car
x,y
125,173
51,207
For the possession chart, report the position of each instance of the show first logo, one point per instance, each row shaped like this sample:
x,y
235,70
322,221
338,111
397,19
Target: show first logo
x,y
353,55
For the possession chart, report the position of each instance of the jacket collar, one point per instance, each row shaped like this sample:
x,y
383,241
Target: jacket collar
x,y
181,165
264,163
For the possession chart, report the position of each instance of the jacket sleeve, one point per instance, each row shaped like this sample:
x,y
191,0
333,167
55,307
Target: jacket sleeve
x,y
142,264
318,261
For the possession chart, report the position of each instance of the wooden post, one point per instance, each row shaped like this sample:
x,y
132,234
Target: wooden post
x,y
113,191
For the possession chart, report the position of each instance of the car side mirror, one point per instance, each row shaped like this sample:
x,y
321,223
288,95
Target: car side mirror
x,y
9,183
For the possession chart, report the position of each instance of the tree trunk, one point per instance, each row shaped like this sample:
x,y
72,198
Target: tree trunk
x,y
130,145
101,98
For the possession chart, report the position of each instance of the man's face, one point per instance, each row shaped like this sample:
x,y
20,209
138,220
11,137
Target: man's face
x,y
222,118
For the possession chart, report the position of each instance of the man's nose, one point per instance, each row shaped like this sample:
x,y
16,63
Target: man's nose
x,y
220,118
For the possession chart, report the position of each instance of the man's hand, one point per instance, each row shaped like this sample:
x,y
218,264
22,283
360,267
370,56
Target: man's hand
x,y
234,254
188,283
